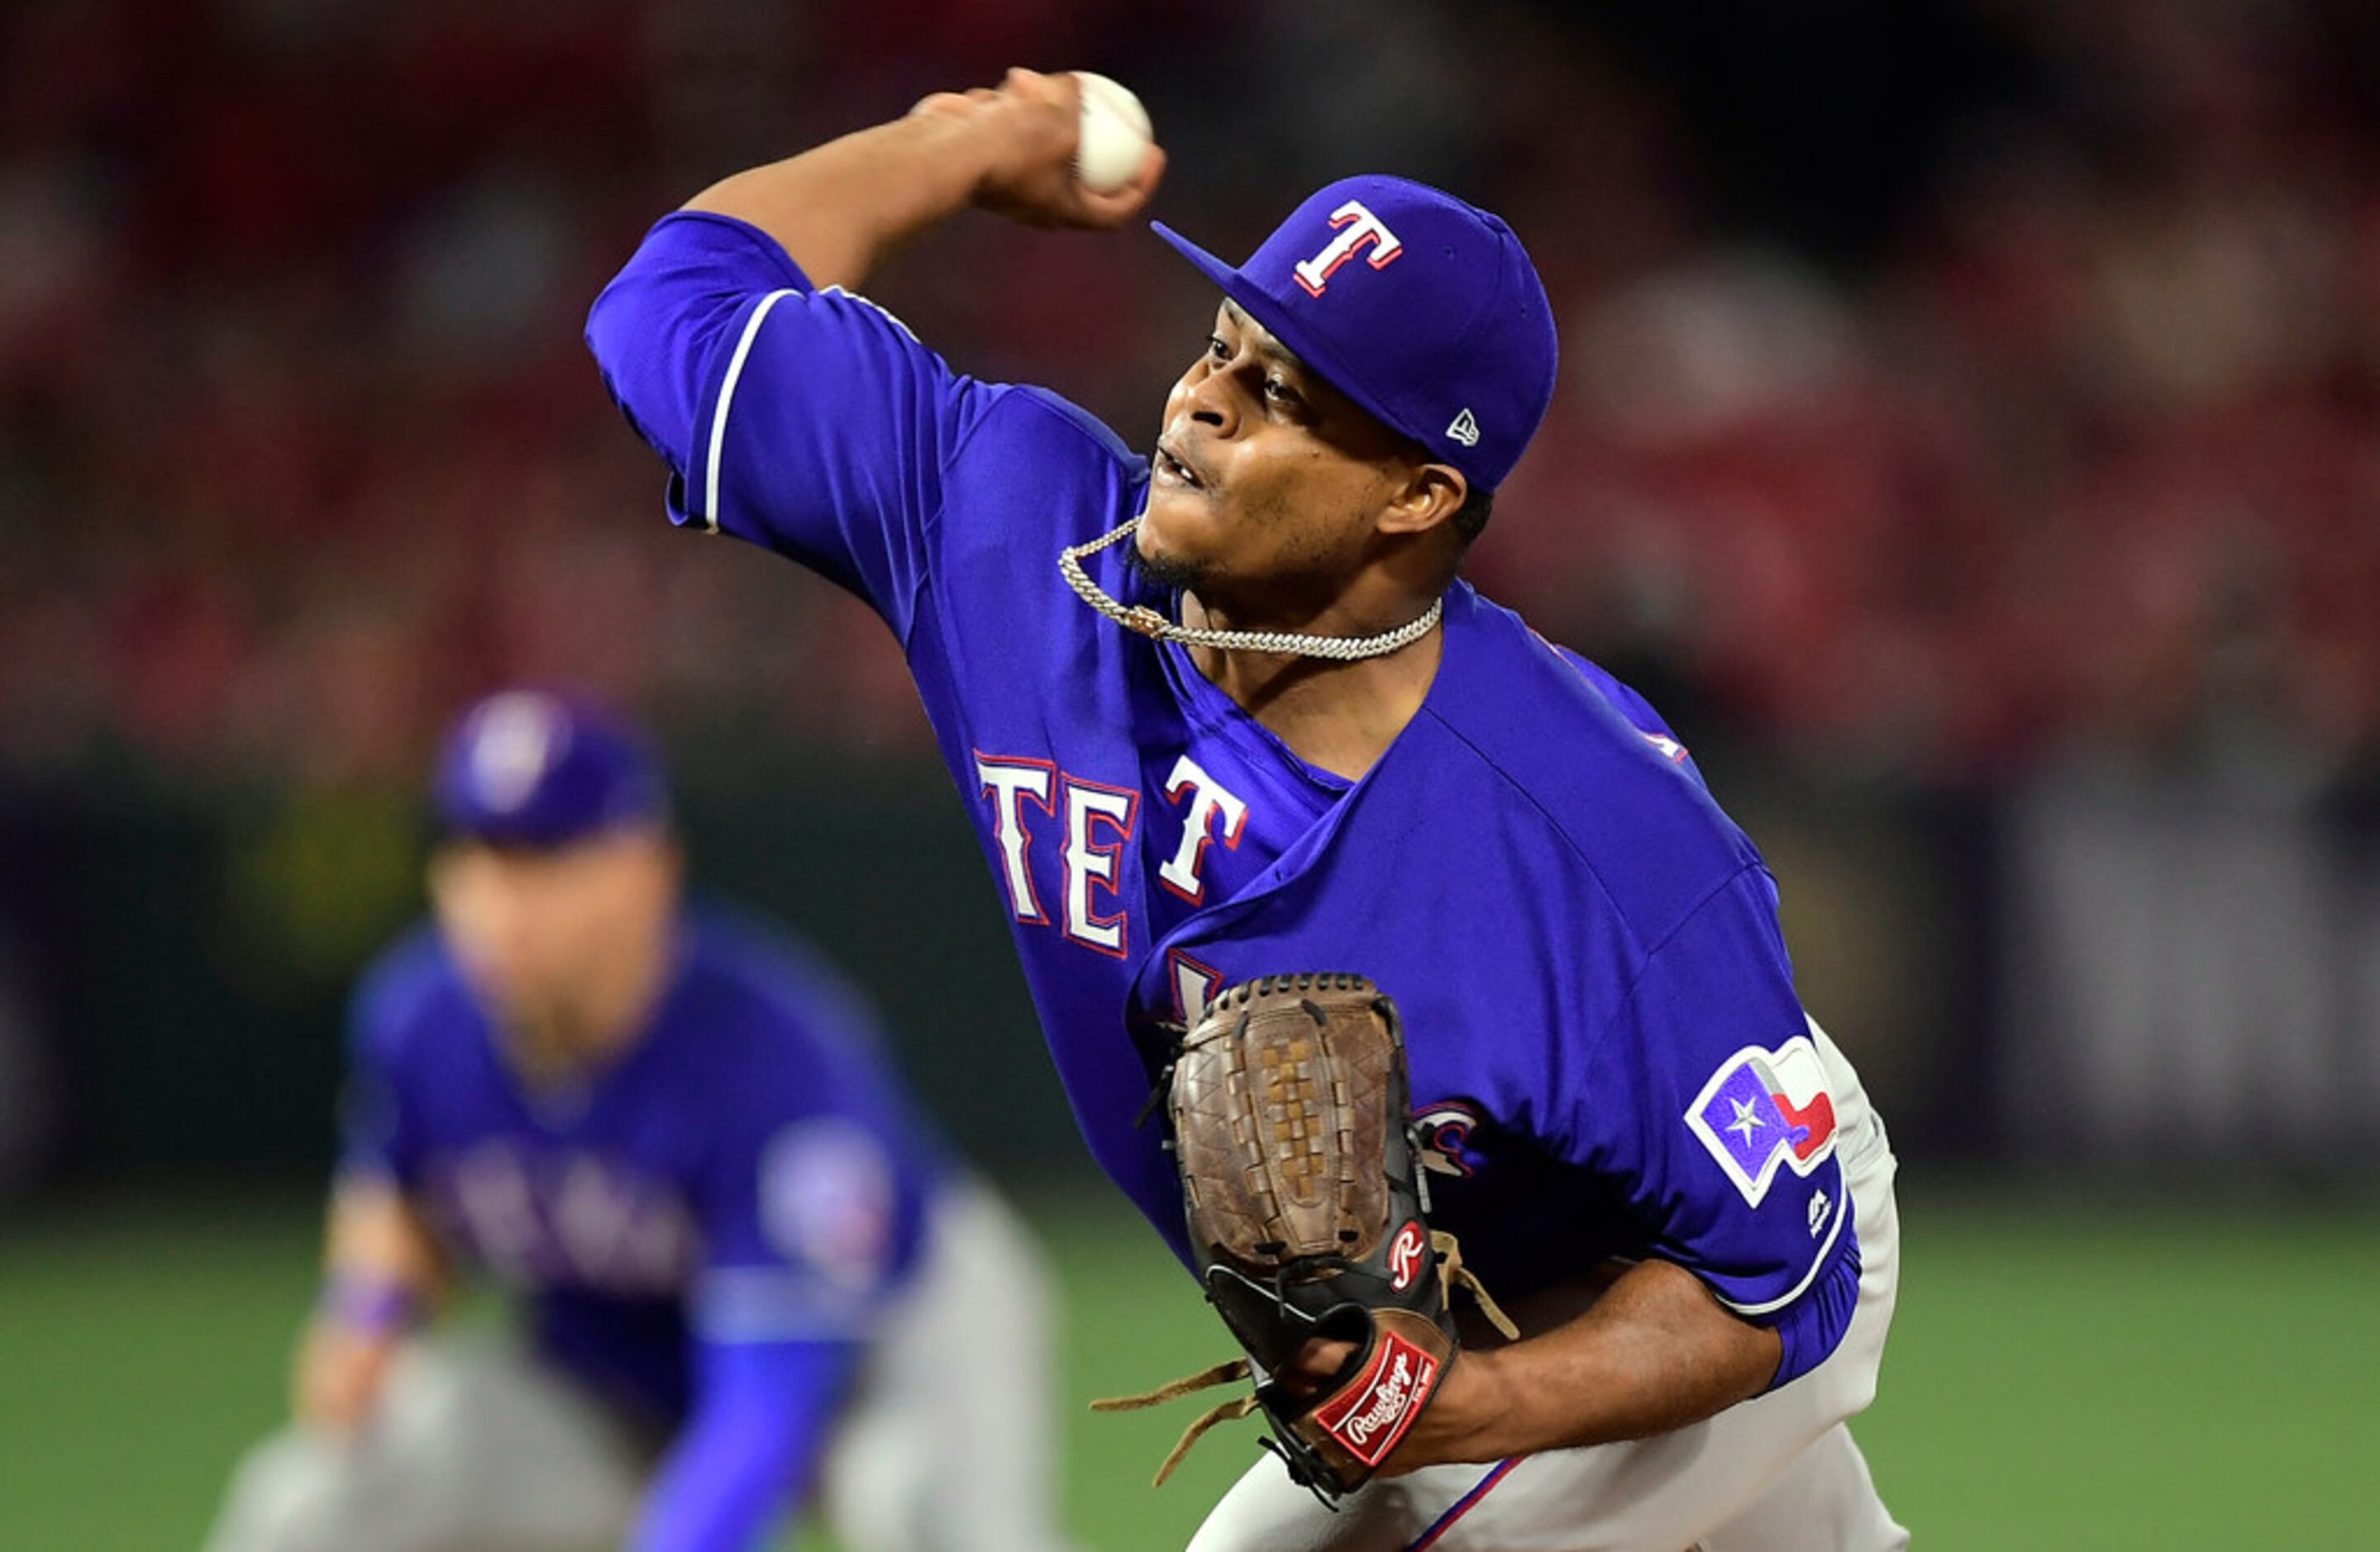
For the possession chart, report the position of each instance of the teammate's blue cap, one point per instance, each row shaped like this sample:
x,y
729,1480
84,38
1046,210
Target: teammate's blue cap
x,y
1422,309
531,768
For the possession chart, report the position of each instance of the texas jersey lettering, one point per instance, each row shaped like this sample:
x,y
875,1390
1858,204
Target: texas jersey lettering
x,y
1087,826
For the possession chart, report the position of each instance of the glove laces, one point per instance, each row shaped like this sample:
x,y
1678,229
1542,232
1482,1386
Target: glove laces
x,y
1452,1274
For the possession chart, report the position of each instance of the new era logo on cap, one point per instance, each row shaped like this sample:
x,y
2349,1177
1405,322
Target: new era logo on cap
x,y
1443,333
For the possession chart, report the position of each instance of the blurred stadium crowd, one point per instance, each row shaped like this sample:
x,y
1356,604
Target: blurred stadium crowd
x,y
1970,437
2055,431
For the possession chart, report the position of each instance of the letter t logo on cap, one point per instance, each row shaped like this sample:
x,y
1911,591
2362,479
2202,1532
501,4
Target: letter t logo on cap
x,y
1356,226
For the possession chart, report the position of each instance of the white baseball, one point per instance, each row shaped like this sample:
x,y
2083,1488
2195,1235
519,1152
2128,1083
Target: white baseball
x,y
1115,134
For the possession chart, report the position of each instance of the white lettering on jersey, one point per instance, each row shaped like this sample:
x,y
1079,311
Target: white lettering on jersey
x,y
1091,863
591,1214
616,1230
1357,225
1008,783
565,1218
499,1216
1207,799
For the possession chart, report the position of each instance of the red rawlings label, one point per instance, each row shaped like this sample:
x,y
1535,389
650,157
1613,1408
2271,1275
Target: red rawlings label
x,y
1375,1412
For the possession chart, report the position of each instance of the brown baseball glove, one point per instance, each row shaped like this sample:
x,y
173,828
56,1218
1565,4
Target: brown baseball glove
x,y
1308,1219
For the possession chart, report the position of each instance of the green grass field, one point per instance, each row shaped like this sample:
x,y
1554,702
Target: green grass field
x,y
2149,1379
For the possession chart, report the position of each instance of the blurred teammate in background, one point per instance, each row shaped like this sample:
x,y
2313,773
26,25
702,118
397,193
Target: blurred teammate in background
x,y
671,1136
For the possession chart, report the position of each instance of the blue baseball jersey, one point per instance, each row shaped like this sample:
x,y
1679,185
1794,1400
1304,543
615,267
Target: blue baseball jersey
x,y
701,1232
1607,1055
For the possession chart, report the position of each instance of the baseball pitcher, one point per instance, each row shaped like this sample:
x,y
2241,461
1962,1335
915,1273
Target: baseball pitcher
x,y
1225,713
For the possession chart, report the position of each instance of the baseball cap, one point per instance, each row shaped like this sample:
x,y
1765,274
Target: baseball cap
x,y
532,768
1422,309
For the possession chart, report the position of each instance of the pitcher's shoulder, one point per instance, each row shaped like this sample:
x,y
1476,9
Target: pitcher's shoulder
x,y
1554,734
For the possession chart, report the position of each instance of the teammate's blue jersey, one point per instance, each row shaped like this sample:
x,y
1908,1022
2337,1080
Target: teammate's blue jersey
x,y
744,1175
1606,1052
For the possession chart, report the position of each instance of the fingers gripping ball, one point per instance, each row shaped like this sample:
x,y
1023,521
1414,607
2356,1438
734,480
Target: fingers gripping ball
x,y
1307,1219
1115,135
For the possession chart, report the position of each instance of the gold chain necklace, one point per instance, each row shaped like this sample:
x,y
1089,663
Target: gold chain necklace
x,y
1147,621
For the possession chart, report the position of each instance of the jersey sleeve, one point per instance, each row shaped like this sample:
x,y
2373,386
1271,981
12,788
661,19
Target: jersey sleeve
x,y
762,1420
810,421
1637,710
377,1132
809,1218
1714,1110
811,1234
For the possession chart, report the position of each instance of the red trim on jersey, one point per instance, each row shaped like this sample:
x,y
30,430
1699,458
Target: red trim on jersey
x,y
1178,961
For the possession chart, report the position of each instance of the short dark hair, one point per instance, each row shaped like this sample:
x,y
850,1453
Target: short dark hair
x,y
1478,505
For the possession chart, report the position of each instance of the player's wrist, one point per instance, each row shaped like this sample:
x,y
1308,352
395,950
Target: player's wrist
x,y
970,147
1486,1419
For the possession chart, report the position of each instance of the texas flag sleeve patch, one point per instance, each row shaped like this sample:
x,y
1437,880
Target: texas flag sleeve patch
x,y
1764,1111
